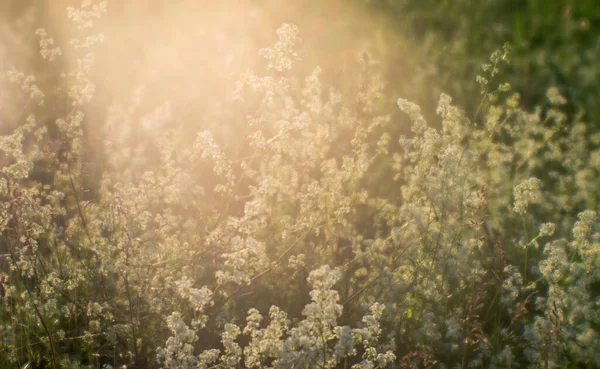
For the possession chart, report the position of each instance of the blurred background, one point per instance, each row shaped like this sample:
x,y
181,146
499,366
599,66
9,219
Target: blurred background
x,y
181,50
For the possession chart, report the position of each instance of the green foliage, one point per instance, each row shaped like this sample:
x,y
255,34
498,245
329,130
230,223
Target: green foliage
x,y
295,198
555,44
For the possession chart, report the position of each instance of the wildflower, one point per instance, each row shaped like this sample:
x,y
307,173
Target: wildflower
x,y
525,193
547,229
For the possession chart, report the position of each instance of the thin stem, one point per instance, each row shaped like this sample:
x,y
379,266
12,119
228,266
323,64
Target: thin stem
x,y
526,250
131,320
35,307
